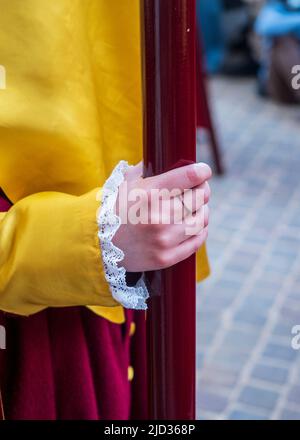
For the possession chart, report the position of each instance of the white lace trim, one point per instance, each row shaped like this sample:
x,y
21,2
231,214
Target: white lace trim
x,y
131,297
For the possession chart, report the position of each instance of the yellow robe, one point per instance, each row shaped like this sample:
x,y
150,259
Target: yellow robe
x,y
70,111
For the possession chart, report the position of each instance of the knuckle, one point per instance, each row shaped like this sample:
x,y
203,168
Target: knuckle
x,y
160,260
163,260
163,240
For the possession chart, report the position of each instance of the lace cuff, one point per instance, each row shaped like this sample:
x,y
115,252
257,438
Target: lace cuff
x,y
131,297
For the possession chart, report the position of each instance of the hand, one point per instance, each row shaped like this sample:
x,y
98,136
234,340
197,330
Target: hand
x,y
158,232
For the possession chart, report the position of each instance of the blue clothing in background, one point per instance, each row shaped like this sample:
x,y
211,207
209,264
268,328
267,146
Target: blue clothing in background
x,y
275,20
209,20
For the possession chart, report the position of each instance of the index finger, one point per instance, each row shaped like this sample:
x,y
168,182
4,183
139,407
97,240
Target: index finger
x,y
182,178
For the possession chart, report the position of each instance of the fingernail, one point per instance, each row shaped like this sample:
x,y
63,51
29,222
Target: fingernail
x,y
203,166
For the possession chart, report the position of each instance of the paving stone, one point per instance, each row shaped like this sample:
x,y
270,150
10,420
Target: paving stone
x,y
287,414
208,320
292,314
230,358
212,402
269,282
231,285
205,338
243,415
287,244
253,245
252,317
281,352
277,267
218,301
282,329
259,397
241,341
202,415
233,276
294,394
241,266
259,303
294,295
215,376
199,359
279,260
285,250
271,374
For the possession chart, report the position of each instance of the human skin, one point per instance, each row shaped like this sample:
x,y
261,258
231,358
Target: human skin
x,y
155,244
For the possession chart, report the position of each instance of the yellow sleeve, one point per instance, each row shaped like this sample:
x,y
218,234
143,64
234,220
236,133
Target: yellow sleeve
x,y
202,264
50,254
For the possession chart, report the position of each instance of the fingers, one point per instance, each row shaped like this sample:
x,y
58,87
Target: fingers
x,y
178,208
169,236
186,177
183,251
190,246
207,192
193,199
192,225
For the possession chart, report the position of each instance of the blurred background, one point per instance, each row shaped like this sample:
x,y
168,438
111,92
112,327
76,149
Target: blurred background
x,y
246,365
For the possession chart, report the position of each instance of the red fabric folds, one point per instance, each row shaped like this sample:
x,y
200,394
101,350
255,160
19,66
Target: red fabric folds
x,y
69,364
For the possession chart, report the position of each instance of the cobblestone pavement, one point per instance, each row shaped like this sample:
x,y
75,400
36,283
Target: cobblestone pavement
x,y
246,366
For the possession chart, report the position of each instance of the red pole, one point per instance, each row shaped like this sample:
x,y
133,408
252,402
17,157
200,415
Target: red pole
x,y
169,92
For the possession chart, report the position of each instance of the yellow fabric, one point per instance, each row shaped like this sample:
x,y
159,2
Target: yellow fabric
x,y
70,111
202,264
34,263
130,373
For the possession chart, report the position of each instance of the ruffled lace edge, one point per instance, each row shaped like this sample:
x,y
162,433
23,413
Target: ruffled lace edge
x,y
132,297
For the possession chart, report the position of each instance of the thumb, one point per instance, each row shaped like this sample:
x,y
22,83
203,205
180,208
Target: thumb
x,y
182,178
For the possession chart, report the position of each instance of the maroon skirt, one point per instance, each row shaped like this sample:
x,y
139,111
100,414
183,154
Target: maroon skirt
x,y
71,364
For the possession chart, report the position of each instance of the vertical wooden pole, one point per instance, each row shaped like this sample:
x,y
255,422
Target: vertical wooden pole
x,y
169,96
